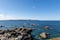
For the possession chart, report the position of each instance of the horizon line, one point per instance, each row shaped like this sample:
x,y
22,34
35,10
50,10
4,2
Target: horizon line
x,y
31,19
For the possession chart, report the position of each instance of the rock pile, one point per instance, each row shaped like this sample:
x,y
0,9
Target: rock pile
x,y
16,34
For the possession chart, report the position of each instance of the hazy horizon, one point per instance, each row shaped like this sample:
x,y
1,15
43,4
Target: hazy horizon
x,y
29,9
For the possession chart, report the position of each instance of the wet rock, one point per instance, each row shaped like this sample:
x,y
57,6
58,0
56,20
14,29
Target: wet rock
x,y
27,37
2,31
46,27
20,37
23,33
33,25
7,35
8,31
44,35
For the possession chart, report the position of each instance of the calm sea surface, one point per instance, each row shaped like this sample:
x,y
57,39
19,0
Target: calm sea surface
x,y
55,32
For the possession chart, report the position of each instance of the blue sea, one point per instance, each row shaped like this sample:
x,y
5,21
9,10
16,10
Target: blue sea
x,y
55,32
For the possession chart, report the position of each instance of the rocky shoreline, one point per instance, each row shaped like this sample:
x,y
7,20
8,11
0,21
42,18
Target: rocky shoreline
x,y
23,34
16,34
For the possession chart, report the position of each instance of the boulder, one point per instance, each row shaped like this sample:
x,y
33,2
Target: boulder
x,y
43,35
33,25
46,27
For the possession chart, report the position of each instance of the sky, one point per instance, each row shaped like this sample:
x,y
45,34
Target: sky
x,y
30,9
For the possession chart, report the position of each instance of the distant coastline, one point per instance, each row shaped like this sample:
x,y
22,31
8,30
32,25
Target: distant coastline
x,y
28,20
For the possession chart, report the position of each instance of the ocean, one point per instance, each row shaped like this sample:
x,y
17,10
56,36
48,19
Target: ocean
x,y
55,25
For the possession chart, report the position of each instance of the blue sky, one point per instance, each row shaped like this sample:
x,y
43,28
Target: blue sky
x,y
30,9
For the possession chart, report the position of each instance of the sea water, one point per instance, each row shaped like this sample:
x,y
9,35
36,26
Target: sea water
x,y
55,25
